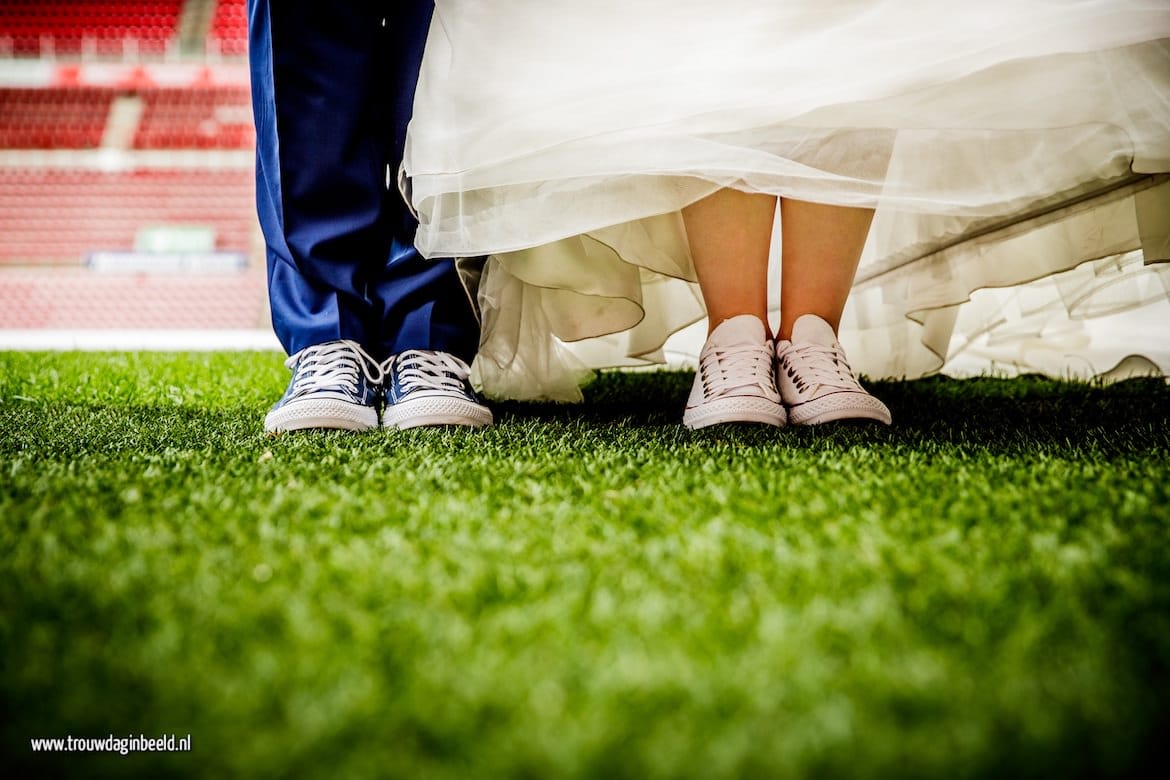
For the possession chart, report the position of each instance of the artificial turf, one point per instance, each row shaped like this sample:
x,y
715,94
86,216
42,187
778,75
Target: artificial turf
x,y
982,589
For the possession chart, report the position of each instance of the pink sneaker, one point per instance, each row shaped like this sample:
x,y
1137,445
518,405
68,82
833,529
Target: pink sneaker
x,y
815,379
735,382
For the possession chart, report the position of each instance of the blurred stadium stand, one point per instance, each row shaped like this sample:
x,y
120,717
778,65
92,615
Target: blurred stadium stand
x,y
63,27
125,131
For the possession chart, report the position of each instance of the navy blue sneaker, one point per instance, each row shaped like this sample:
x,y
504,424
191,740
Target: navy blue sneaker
x,y
430,388
333,386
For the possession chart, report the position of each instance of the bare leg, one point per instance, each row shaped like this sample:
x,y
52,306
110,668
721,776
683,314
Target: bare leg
x,y
821,248
730,233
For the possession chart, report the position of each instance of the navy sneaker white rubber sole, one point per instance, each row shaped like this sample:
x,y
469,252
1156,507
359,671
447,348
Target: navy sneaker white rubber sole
x,y
420,411
311,413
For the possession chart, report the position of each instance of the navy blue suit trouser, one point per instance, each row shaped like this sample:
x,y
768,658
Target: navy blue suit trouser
x,y
332,89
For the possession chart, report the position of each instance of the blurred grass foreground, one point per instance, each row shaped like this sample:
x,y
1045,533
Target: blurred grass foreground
x,y
981,590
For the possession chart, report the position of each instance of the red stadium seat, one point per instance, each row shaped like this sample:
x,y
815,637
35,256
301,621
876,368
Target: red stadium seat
x,y
52,218
196,118
53,118
66,25
59,216
229,28
74,299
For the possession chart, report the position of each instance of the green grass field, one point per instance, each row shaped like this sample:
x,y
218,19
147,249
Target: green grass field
x,y
981,590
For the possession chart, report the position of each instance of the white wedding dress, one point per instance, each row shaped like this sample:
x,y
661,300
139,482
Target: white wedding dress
x,y
1017,153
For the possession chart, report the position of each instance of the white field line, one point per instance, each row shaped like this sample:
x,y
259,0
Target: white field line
x,y
124,340
187,340
115,160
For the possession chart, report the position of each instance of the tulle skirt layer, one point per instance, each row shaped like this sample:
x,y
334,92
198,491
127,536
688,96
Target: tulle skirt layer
x,y
1017,154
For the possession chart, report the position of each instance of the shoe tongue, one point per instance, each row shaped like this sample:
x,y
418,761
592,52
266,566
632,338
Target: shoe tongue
x,y
811,329
740,330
